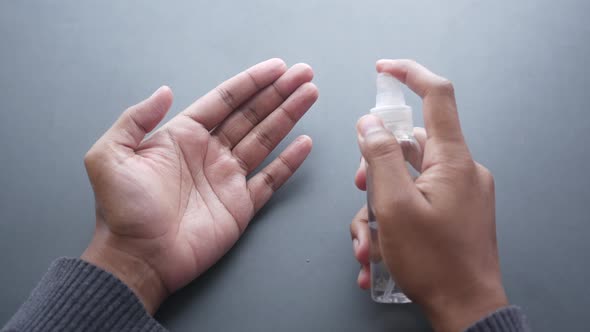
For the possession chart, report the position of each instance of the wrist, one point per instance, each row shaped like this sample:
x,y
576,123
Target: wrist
x,y
457,312
133,271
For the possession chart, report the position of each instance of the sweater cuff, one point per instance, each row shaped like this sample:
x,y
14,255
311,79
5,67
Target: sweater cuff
x,y
508,319
77,296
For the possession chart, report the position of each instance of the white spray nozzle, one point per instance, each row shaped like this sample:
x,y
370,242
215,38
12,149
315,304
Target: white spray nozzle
x,y
391,106
389,91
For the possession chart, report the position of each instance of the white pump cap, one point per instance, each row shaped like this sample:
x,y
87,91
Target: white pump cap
x,y
391,105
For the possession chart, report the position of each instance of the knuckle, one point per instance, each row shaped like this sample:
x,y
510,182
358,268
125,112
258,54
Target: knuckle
x,y
242,163
251,115
224,139
93,159
360,217
287,164
444,87
488,177
470,166
407,64
492,183
269,180
253,80
489,180
288,116
90,158
264,139
364,213
226,96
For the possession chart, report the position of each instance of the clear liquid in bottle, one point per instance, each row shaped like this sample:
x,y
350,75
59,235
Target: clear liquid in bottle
x,y
383,287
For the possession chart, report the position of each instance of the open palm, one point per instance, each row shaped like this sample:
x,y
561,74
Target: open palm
x,y
179,199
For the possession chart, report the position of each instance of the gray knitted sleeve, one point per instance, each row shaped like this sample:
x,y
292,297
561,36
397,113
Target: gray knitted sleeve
x,y
77,296
508,319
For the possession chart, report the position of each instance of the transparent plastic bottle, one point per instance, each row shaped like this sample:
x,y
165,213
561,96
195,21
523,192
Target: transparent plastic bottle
x,y
397,117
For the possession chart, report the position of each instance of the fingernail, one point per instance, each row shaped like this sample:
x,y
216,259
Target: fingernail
x,y
355,244
158,90
302,138
381,63
369,124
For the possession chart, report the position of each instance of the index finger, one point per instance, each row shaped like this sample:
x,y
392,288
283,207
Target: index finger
x,y
439,107
217,104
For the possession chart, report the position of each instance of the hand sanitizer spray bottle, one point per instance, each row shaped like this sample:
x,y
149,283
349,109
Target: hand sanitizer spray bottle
x,y
396,116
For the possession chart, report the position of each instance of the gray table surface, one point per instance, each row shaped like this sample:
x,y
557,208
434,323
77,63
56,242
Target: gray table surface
x,y
68,68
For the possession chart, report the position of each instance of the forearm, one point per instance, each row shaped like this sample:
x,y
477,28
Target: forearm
x,y
77,296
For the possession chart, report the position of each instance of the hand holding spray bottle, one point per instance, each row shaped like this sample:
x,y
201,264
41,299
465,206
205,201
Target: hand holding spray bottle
x,y
396,116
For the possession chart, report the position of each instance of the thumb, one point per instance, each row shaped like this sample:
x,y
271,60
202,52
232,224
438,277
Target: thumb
x,y
138,120
385,163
